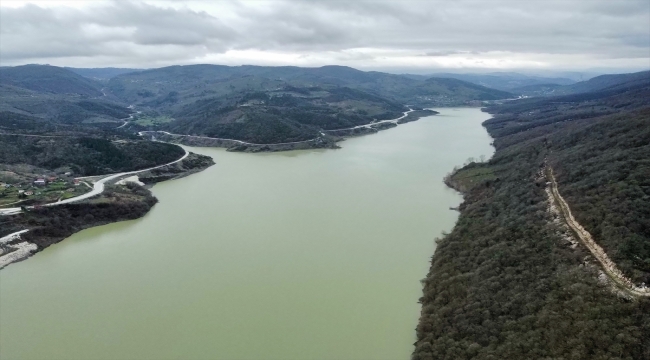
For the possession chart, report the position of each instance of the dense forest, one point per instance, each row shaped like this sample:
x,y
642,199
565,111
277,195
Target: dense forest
x,y
195,82
49,79
282,115
85,155
504,284
42,98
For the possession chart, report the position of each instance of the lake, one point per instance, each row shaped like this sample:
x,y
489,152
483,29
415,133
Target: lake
x,y
312,254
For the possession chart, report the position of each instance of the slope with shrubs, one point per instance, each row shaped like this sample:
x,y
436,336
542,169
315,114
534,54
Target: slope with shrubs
x,y
504,284
53,95
84,155
283,115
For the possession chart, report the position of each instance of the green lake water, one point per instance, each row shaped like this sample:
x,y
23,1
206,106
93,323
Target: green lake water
x,y
299,255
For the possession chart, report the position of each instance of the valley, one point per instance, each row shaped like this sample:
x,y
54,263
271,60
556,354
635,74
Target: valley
x,y
337,273
304,149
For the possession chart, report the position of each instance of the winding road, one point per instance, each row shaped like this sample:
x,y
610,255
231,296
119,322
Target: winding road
x,y
322,133
142,133
98,187
394,121
126,120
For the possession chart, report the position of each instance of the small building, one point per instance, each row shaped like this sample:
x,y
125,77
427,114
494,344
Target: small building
x,y
29,193
39,182
68,173
76,182
21,191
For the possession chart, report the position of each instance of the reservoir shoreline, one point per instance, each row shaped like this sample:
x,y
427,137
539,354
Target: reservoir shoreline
x,y
330,269
327,139
21,247
43,226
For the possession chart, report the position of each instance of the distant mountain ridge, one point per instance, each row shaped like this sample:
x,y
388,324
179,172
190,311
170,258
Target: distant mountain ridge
x,y
49,79
605,81
258,104
101,73
594,84
506,81
432,91
48,97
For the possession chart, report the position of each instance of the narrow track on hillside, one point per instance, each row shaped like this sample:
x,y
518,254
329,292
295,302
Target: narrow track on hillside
x,y
608,266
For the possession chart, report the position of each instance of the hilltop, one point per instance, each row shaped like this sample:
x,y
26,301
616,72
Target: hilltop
x,y
202,81
48,98
49,79
597,83
506,81
258,104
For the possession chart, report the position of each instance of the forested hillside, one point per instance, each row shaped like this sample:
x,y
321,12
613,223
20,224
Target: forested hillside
x,y
203,81
48,79
506,81
49,96
85,156
102,74
255,104
597,83
505,283
283,115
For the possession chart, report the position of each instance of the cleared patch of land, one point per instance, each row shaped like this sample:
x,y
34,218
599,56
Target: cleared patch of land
x,y
153,120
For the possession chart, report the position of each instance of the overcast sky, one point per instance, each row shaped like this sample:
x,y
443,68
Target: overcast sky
x,y
398,36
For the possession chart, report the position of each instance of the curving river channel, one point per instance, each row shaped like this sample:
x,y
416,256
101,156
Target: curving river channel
x,y
300,255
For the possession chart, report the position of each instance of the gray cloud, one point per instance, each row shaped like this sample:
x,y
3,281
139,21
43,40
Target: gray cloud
x,y
555,34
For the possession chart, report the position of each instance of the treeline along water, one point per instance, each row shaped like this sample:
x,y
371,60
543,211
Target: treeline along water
x,y
305,254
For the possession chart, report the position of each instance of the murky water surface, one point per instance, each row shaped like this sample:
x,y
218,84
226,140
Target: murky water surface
x,y
298,255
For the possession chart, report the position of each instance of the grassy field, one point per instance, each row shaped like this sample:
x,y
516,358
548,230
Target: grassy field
x,y
53,191
153,120
466,178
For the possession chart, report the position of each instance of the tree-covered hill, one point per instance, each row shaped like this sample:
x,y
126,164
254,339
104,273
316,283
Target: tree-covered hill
x,y
505,283
101,74
506,81
54,96
49,79
199,81
607,81
85,155
283,115
597,83
214,100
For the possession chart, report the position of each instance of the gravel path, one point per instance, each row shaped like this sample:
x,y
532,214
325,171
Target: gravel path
x,y
608,266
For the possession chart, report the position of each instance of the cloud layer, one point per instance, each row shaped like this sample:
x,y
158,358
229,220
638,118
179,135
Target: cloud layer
x,y
496,34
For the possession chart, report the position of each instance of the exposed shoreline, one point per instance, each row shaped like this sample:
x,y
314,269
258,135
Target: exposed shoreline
x,y
328,139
